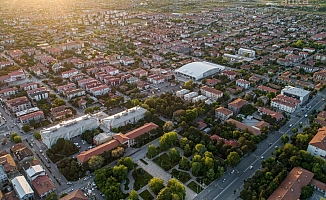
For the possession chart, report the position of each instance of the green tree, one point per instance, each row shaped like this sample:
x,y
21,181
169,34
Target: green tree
x,y
187,150
37,135
152,151
184,163
285,139
52,196
156,185
120,172
188,85
112,189
164,194
95,162
294,130
233,158
168,126
174,155
306,192
117,152
133,195
17,139
196,168
63,195
210,174
200,148
167,140
26,128
177,188
12,136
128,162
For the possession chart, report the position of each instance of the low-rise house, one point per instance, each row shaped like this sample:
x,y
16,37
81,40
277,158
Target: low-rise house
x,y
321,118
100,90
320,76
69,73
225,141
8,92
38,94
21,152
243,83
29,86
71,93
75,195
43,186
62,88
18,104
284,103
60,112
317,145
34,171
22,188
8,163
211,93
3,175
35,116
236,105
266,89
223,113
278,116
256,131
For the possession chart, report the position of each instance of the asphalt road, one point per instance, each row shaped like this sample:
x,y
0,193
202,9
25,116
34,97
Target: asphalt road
x,y
225,190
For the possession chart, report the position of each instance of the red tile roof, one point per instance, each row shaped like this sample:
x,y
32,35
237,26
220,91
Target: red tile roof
x,y
319,140
43,184
219,138
243,126
238,103
75,195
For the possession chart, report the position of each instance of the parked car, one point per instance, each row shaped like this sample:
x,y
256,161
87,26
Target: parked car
x,y
69,183
251,167
224,180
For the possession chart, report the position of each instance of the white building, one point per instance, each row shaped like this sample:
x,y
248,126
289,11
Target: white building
x,y
22,188
317,145
189,96
297,93
211,93
34,171
223,113
246,52
69,73
284,106
182,92
199,98
198,70
68,129
129,116
243,83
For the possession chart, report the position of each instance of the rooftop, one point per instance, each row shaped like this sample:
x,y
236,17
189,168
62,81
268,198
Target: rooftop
x,y
295,91
21,186
319,140
197,69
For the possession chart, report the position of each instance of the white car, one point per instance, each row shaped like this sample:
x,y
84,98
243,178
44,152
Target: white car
x,y
305,115
251,167
291,125
232,172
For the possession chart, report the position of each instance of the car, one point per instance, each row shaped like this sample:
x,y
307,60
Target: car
x,y
300,122
232,172
78,146
305,115
276,147
251,167
86,178
76,143
323,99
70,190
261,157
41,151
290,125
69,183
224,180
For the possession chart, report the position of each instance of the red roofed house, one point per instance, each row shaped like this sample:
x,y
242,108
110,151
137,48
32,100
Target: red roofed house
x,y
317,145
242,126
18,104
43,186
321,118
75,195
236,105
291,186
223,113
29,86
211,93
36,116
230,74
218,138
266,111
8,91
69,73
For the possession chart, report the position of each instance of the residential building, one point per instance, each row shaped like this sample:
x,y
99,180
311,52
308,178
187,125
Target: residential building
x,y
291,186
236,105
223,113
190,96
22,188
266,89
68,129
8,163
37,96
3,175
182,92
8,92
243,83
297,93
69,73
317,145
225,141
230,74
321,118
256,131
278,116
211,93
29,86
18,104
43,186
100,90
130,116
285,103
21,152
246,52
198,98
34,171
75,195
71,93
320,75
36,116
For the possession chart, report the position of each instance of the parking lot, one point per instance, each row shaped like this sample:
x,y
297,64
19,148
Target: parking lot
x,y
82,146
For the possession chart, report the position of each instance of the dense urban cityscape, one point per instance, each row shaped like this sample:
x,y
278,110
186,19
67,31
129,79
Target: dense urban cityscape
x,y
166,100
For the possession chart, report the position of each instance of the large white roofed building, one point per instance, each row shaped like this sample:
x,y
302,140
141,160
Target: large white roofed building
x,y
198,70
22,188
297,93
68,129
129,116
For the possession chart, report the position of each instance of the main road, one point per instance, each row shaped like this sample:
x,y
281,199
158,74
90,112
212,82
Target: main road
x,y
225,190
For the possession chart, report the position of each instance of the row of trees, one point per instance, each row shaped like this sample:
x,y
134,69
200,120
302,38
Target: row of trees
x,y
62,148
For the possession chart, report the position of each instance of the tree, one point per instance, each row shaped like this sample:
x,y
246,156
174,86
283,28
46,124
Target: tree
x,y
167,140
168,126
12,135
128,162
26,128
187,150
285,139
120,172
52,196
184,163
152,151
200,148
63,195
118,152
133,195
306,192
177,188
17,139
156,185
4,141
174,155
95,162
164,194
37,135
233,158
196,168
295,130
210,174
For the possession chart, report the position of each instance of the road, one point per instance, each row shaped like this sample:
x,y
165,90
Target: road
x,y
225,190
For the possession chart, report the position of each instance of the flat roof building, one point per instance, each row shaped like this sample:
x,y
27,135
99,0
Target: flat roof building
x,y
68,129
129,116
198,70
297,93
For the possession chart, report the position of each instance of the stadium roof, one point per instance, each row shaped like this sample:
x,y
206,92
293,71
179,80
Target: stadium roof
x,y
197,69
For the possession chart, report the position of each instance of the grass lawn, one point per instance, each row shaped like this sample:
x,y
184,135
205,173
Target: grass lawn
x,y
181,176
146,195
164,162
204,180
141,178
195,187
